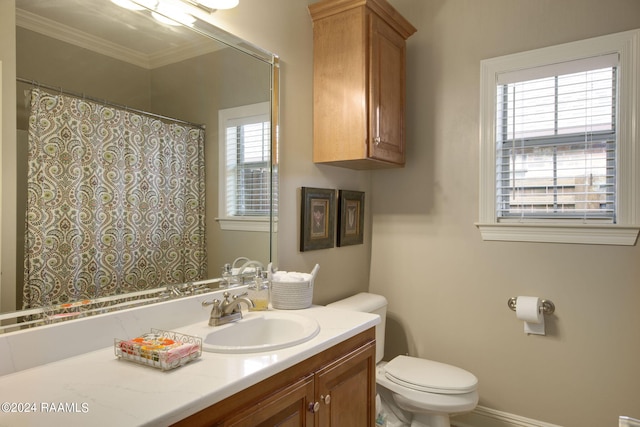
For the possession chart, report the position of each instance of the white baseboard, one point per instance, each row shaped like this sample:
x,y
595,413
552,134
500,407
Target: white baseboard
x,y
487,417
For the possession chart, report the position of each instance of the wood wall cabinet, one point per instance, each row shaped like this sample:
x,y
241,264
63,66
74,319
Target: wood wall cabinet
x,y
333,388
359,50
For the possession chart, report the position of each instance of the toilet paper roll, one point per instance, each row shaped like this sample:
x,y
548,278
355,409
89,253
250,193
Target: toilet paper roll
x,y
528,310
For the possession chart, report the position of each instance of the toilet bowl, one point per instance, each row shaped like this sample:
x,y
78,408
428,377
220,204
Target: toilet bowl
x,y
428,391
431,391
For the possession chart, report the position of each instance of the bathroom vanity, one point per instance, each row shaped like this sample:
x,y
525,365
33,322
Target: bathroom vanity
x,y
67,374
336,385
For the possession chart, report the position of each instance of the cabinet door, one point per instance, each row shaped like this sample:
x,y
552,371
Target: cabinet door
x,y
386,92
346,390
286,408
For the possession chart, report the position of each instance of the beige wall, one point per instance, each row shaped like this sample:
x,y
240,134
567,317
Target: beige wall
x,y
7,152
448,289
288,33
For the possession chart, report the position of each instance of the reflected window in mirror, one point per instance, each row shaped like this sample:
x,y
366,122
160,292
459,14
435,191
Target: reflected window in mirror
x,y
245,174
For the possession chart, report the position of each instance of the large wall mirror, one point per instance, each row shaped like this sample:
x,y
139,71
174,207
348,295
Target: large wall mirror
x,y
136,65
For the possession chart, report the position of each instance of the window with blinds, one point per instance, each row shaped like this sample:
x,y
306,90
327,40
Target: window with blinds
x,y
245,163
559,143
556,141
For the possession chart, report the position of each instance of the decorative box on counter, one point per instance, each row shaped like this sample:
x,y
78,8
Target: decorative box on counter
x,y
160,349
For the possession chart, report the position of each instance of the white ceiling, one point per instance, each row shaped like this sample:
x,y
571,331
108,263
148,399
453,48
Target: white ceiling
x,y
104,27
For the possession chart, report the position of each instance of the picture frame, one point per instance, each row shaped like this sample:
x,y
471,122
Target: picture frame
x,y
351,218
317,218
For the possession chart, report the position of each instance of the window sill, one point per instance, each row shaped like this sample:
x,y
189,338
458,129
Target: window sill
x,y
246,224
561,233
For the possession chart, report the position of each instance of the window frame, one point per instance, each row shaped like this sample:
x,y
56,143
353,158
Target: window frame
x,y
237,222
559,230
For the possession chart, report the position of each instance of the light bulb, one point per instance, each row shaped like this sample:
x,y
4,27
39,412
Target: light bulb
x,y
171,14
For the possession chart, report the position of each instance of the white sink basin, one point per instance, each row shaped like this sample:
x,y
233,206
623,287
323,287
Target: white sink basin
x,y
255,332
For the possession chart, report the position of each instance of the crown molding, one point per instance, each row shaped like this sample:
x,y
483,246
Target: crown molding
x,y
53,29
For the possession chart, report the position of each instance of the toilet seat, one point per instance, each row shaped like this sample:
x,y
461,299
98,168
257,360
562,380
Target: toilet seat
x,y
419,401
429,376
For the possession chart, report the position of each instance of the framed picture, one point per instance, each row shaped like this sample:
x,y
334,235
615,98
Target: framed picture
x,y
318,219
351,218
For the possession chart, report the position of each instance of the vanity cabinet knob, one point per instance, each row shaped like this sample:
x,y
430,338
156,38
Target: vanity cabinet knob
x,y
314,407
326,399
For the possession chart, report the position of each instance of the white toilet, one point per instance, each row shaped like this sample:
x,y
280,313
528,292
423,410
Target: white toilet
x,y
429,391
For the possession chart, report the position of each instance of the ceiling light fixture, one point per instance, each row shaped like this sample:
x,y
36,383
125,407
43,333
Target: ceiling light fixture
x,y
171,13
166,12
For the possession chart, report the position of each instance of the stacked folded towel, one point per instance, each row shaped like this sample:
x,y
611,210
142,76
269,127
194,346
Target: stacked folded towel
x,y
291,276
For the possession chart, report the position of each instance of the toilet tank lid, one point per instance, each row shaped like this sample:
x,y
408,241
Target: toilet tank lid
x,y
364,302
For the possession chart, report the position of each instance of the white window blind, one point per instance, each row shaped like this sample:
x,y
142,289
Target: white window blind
x,y
246,177
556,141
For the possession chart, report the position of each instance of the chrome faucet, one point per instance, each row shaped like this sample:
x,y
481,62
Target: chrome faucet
x,y
228,310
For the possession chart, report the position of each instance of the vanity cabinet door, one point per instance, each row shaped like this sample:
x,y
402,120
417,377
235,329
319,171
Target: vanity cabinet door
x,y
386,93
286,408
346,390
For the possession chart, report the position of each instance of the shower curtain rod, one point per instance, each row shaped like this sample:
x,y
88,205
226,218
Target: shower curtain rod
x,y
106,103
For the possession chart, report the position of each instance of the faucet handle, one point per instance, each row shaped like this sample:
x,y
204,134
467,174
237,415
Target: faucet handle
x,y
211,302
226,296
244,294
216,311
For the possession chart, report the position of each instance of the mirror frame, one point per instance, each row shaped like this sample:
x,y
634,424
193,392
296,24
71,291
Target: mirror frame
x,y
19,319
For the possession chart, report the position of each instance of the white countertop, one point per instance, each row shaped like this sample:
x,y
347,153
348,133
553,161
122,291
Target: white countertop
x,y
96,388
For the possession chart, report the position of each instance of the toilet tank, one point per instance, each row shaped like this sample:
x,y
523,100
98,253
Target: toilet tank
x,y
368,303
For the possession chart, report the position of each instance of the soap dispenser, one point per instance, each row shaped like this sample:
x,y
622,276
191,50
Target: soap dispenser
x,y
259,291
227,276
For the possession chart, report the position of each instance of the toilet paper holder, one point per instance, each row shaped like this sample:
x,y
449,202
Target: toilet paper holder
x,y
546,306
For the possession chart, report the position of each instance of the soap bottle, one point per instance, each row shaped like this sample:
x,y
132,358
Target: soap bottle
x,y
227,276
259,291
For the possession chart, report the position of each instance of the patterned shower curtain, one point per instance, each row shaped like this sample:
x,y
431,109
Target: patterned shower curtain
x,y
115,201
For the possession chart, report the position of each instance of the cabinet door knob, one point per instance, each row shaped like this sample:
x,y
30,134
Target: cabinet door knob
x,y
314,407
377,140
326,399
